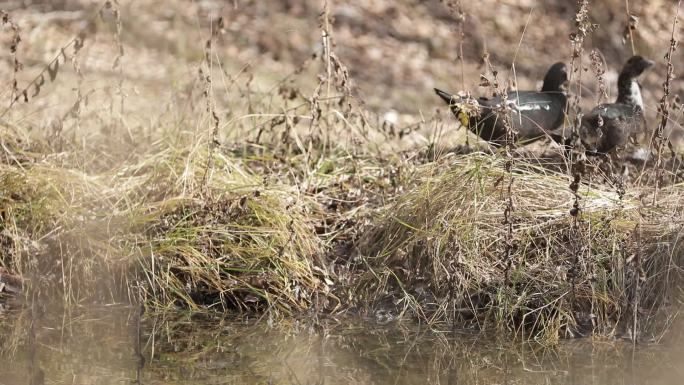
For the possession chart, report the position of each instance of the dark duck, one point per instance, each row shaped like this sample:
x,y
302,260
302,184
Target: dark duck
x,y
533,114
609,126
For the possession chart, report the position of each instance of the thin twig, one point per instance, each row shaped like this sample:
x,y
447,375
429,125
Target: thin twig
x,y
629,27
657,139
78,39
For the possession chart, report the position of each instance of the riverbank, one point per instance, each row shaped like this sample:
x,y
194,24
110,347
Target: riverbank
x,y
349,235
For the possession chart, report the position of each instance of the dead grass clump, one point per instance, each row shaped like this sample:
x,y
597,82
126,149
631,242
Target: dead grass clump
x,y
439,253
56,225
247,245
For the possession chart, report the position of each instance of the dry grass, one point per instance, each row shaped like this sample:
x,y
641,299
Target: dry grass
x,y
57,225
441,249
248,245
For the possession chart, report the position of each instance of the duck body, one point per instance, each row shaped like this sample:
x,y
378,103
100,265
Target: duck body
x,y
533,114
609,126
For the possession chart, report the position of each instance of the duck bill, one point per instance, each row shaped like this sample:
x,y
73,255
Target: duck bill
x,y
447,97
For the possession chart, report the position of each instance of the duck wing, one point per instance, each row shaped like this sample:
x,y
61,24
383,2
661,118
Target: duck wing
x,y
614,111
537,114
532,114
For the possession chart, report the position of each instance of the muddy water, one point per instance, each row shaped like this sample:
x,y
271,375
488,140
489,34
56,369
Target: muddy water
x,y
114,345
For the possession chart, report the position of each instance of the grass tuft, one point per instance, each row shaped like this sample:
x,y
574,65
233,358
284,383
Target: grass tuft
x,y
441,249
250,246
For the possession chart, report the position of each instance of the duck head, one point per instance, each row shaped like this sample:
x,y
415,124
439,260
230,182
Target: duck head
x,y
629,90
635,66
555,78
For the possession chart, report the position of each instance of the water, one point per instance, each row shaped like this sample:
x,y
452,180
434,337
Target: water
x,y
113,345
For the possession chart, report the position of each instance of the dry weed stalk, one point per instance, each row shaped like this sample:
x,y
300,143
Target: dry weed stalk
x,y
75,110
657,139
327,49
503,113
316,131
638,277
597,64
336,76
577,167
584,28
208,93
14,47
51,69
118,62
630,27
456,10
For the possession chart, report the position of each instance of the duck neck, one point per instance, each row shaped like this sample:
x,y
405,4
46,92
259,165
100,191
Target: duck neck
x,y
550,86
629,92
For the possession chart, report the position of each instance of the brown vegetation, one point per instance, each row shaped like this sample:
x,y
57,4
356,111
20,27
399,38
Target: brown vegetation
x,y
244,163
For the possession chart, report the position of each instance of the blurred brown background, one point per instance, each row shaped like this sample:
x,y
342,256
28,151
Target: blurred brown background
x,y
395,51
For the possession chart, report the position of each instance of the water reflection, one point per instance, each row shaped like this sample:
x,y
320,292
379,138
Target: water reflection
x,y
115,345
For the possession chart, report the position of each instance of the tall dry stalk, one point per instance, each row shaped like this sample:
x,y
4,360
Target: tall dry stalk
x,y
457,11
503,112
7,21
208,93
336,76
584,28
326,40
637,278
118,62
630,27
75,110
51,69
577,168
597,66
657,139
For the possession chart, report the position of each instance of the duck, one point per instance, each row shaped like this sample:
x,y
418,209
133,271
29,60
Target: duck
x,y
608,127
534,114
